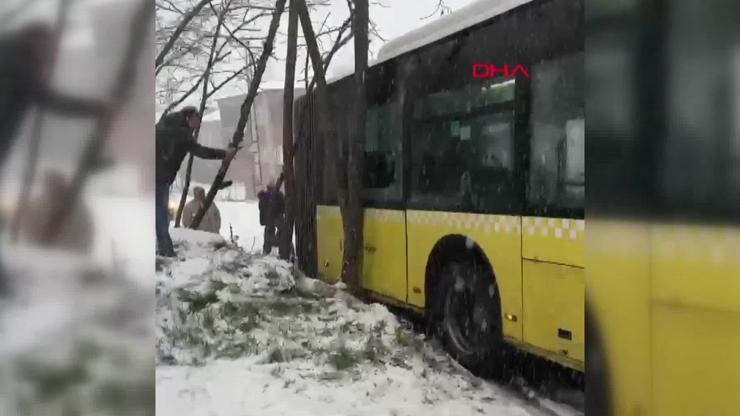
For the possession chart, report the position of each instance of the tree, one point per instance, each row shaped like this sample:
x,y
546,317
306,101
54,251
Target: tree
x,y
304,158
201,108
346,176
246,107
353,223
286,234
440,8
183,34
159,60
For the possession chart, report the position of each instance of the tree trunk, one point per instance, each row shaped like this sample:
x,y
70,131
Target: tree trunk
x,y
288,149
201,108
244,113
354,223
307,159
140,30
352,255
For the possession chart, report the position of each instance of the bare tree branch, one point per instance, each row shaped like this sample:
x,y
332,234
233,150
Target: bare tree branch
x,y
226,81
173,6
203,100
244,23
192,89
246,107
440,8
180,28
338,44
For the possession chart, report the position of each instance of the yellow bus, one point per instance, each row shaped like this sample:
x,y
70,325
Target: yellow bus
x,y
663,248
474,179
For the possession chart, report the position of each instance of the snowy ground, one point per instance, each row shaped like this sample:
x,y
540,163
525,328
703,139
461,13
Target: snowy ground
x,y
76,330
243,334
76,337
241,218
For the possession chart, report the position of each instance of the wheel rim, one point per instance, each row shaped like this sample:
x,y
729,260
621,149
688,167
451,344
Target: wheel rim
x,y
467,315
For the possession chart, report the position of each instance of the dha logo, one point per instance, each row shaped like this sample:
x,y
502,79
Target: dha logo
x,y
490,71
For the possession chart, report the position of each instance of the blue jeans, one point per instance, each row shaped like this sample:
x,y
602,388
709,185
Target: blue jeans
x,y
162,220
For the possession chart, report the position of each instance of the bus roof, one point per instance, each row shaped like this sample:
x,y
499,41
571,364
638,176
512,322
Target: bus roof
x,y
469,15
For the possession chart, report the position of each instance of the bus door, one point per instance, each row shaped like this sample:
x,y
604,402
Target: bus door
x,y
384,266
553,231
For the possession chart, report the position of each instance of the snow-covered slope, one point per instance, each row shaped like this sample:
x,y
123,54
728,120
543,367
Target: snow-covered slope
x,y
242,334
243,218
75,337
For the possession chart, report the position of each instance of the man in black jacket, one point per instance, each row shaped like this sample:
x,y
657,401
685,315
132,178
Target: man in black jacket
x,y
174,141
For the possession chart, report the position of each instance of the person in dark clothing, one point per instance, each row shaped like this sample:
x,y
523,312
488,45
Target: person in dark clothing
x,y
174,140
272,211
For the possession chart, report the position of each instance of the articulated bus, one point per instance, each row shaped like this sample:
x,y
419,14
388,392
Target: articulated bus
x,y
474,179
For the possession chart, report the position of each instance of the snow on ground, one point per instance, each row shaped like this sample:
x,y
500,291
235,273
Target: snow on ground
x,y
76,337
124,233
243,334
242,217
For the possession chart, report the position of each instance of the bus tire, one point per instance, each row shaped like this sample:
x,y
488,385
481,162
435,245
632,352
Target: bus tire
x,y
469,316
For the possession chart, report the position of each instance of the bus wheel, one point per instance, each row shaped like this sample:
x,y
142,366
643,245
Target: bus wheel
x,y
470,316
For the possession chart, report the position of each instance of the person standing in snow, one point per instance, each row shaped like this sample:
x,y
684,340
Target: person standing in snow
x,y
211,221
272,212
174,140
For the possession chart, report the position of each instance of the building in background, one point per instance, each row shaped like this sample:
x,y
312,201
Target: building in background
x,y
204,171
261,159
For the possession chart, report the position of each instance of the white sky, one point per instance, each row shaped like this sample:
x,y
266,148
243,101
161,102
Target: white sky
x,y
393,18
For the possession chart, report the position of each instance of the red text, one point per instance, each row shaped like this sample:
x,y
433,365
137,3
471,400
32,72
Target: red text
x,y
491,70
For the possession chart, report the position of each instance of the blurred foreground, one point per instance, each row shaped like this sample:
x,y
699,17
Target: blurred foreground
x,y
663,245
76,313
77,338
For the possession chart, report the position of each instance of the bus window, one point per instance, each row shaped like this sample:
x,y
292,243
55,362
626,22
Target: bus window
x,y
557,124
383,176
699,163
463,150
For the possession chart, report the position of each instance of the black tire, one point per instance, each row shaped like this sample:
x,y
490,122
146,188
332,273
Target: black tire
x,y
468,316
